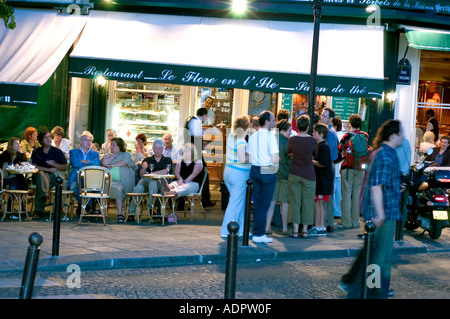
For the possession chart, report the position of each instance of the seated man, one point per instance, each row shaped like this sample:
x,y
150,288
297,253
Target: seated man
x,y
51,163
155,164
169,149
81,157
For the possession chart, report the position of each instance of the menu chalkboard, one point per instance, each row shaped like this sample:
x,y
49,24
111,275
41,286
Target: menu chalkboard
x,y
345,106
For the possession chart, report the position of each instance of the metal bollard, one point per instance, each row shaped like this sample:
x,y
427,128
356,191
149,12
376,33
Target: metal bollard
x,y
57,216
248,205
29,271
230,273
367,255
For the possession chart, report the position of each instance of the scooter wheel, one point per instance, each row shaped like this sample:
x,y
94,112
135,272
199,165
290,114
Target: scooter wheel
x,y
435,230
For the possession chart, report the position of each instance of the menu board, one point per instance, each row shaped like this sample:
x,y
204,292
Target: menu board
x,y
345,106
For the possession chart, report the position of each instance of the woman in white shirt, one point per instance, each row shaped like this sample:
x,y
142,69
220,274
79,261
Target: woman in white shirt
x,y
59,141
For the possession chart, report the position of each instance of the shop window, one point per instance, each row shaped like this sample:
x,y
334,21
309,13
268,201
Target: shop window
x,y
262,101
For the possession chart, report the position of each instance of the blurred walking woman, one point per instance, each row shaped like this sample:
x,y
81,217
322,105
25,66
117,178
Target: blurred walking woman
x,y
302,178
236,173
30,142
122,174
13,155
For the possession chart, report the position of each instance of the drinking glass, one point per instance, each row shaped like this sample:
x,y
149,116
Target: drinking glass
x,y
151,166
168,166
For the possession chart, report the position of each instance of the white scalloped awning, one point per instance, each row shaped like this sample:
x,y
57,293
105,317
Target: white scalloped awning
x,y
252,54
31,52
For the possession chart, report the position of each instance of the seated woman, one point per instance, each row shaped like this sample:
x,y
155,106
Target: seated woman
x,y
428,142
139,153
13,155
30,142
122,173
188,172
60,141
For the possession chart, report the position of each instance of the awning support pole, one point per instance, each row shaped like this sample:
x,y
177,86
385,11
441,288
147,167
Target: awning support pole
x,y
315,52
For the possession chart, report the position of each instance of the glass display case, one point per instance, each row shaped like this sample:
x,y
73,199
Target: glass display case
x,y
152,109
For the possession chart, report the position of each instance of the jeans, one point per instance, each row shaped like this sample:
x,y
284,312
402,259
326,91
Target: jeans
x,y
263,188
381,256
236,182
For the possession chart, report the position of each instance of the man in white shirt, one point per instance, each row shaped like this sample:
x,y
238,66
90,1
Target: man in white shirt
x,y
263,150
196,134
169,149
210,119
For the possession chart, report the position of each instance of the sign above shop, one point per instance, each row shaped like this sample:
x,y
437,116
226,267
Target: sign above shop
x,y
18,94
224,78
430,6
404,72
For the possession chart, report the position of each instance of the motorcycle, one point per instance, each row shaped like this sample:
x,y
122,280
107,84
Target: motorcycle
x,y
428,202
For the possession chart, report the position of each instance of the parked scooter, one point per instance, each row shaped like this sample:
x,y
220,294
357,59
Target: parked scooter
x,y
428,203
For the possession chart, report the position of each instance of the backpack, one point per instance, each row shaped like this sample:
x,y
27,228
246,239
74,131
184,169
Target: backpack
x,y
358,152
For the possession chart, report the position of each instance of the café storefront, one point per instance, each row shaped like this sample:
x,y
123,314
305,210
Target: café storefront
x,y
165,65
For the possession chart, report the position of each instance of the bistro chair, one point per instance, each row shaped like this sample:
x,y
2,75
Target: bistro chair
x,y
2,192
163,201
67,203
94,183
142,205
19,200
191,200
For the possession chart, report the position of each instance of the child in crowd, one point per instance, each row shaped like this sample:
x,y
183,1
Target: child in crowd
x,y
324,179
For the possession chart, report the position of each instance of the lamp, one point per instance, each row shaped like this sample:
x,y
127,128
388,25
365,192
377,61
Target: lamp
x,y
239,6
436,97
392,96
101,80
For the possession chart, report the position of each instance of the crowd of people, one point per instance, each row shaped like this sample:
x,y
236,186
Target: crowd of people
x,y
315,177
52,155
303,172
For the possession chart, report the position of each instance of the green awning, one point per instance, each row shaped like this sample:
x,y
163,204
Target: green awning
x,y
424,39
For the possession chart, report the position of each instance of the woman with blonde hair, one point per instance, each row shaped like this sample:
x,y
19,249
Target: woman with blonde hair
x,y
59,141
188,172
13,155
236,173
30,142
428,142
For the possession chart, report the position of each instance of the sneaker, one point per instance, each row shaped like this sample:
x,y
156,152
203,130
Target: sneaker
x,y
344,287
391,293
262,239
317,232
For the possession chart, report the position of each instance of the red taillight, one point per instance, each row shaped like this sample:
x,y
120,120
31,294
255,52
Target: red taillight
x,y
439,198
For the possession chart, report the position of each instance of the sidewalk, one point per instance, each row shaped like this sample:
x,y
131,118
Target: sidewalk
x,y
131,245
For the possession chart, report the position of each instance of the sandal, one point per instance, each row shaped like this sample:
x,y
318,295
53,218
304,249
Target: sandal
x,y
293,234
305,234
120,219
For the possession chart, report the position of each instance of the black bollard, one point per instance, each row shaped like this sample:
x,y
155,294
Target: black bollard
x,y
230,273
248,205
367,255
57,216
29,271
